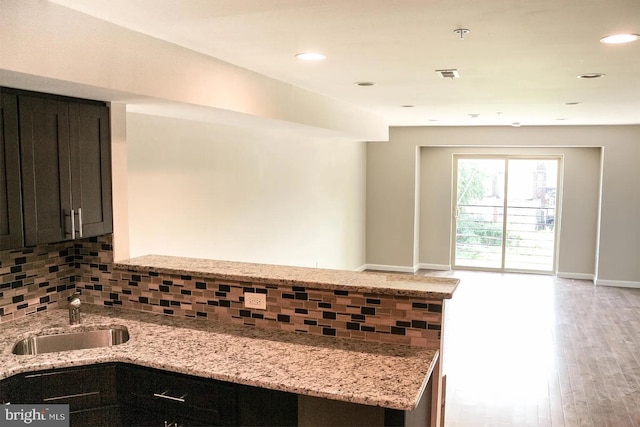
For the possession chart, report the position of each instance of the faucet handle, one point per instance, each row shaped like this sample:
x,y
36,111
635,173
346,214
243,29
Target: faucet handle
x,y
74,300
74,308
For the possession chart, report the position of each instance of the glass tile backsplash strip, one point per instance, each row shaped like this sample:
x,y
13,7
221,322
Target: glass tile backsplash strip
x,y
35,279
42,277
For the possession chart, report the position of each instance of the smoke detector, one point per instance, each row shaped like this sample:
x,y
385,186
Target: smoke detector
x,y
462,32
451,73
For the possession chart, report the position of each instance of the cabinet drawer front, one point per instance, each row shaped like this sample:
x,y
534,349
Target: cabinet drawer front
x,y
182,396
104,416
80,388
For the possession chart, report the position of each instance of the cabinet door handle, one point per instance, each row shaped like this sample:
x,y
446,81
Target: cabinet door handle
x,y
73,224
80,222
70,396
166,396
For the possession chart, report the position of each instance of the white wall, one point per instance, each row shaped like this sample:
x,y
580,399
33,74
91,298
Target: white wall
x,y
119,181
221,192
391,185
278,195
51,48
578,245
390,205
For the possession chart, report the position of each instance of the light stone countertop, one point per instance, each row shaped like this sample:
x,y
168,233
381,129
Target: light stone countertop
x,y
427,287
390,376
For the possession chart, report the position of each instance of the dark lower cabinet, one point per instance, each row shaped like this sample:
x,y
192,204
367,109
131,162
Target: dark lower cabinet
x,y
108,416
130,395
8,390
262,407
150,397
89,391
118,394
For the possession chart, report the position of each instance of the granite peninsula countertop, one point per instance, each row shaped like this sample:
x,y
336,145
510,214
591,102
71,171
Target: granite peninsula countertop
x,y
318,278
390,376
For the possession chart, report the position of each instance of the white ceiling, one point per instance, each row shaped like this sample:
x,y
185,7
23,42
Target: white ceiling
x,y
519,63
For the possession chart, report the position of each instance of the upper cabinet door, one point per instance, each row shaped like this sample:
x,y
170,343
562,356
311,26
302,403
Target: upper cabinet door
x,y
90,146
46,174
55,169
10,203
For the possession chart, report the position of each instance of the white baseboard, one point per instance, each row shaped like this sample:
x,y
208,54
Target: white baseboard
x,y
363,267
618,283
443,267
576,276
394,268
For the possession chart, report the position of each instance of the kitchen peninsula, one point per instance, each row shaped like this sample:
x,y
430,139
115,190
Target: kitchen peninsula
x,y
371,307
369,340
268,274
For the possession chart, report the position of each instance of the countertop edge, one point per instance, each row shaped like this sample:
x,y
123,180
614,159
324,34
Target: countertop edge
x,y
142,355
105,359
394,284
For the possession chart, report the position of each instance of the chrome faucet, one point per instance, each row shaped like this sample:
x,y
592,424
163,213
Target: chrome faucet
x,y
74,308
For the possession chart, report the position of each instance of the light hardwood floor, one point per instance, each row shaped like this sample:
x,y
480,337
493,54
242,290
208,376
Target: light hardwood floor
x,y
534,350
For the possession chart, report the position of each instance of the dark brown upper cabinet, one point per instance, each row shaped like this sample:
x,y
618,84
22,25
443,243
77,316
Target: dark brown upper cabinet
x,y
46,170
10,196
90,145
65,168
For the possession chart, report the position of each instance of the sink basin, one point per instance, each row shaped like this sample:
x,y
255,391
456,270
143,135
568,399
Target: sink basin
x,y
72,341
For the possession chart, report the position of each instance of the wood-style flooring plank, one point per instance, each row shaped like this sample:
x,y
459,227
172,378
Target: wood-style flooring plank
x,y
539,351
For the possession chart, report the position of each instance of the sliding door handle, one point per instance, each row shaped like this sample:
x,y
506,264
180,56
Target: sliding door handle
x,y
73,224
80,222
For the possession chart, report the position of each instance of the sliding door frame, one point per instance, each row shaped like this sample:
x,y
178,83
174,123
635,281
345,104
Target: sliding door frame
x,y
558,209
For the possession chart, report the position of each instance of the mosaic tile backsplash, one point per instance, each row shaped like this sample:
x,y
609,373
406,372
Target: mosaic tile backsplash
x,y
35,279
44,276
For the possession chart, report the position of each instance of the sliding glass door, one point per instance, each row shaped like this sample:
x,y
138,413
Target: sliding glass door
x,y
479,213
505,213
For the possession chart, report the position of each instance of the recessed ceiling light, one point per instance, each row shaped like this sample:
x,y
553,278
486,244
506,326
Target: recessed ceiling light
x,y
561,119
408,106
516,124
474,115
619,38
590,76
310,56
364,83
572,103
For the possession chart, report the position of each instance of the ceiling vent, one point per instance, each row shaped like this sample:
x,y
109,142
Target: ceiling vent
x,y
448,74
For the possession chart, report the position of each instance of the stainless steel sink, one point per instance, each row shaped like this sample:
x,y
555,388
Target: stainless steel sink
x,y
72,341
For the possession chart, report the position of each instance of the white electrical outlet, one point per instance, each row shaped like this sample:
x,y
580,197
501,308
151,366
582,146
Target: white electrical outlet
x,y
253,300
